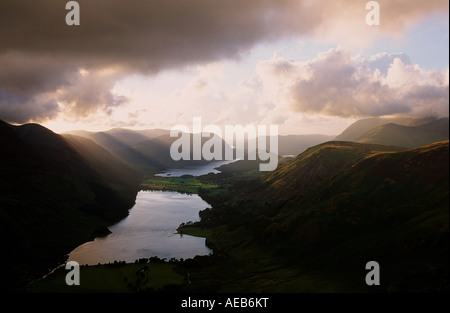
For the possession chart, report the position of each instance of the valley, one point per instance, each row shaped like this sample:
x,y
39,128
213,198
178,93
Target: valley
x,y
309,226
320,239
225,155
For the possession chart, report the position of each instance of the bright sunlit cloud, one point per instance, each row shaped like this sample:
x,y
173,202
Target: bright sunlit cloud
x,y
308,66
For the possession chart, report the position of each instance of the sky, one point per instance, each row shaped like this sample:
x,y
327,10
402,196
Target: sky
x,y
310,67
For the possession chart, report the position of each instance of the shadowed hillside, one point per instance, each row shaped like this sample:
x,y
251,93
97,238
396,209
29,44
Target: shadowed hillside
x,y
55,193
146,151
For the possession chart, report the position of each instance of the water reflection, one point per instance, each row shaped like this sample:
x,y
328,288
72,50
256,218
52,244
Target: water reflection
x,y
148,231
197,170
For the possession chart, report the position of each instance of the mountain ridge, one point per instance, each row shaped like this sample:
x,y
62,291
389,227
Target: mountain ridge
x,y
54,198
408,136
355,130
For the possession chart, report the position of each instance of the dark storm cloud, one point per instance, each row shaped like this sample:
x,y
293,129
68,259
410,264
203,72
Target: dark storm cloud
x,y
16,108
148,35
41,57
23,72
40,54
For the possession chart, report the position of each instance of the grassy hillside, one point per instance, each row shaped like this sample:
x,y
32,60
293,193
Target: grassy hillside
x,y
320,162
387,206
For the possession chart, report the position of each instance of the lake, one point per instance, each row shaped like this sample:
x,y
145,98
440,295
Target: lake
x,y
197,170
149,230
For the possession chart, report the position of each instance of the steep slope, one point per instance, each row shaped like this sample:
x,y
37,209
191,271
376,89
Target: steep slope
x,y
292,178
121,144
113,173
267,193
350,204
53,197
146,151
155,153
392,208
408,136
320,162
118,138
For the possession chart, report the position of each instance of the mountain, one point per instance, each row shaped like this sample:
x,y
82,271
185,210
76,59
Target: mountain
x,y
149,156
119,138
320,162
56,192
113,172
388,207
146,151
408,136
322,216
307,169
357,129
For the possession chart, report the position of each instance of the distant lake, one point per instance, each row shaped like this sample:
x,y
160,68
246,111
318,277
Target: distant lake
x,y
197,170
149,230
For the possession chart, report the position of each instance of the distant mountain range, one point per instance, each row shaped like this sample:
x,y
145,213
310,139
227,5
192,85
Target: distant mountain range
x,y
354,131
408,136
409,133
147,151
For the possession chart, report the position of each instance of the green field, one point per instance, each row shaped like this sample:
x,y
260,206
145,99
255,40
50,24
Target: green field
x,y
187,184
195,231
151,277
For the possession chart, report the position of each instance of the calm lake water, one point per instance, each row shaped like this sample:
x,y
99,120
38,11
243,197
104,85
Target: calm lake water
x,y
195,170
149,230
